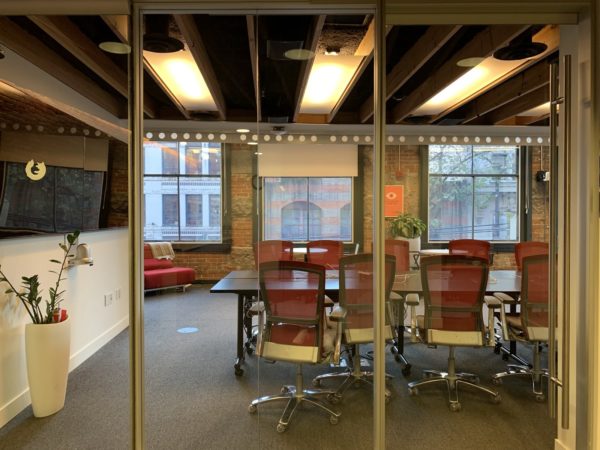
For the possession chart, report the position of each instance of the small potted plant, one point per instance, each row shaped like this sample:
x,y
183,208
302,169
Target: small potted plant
x,y
47,338
408,227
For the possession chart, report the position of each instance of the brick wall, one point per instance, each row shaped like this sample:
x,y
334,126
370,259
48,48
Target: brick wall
x,y
117,184
402,167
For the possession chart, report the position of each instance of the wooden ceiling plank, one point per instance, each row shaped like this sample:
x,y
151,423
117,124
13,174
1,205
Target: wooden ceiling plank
x,y
425,48
36,52
529,80
192,36
519,105
484,44
251,27
312,40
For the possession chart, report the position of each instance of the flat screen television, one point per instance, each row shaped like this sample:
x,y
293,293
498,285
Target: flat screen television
x,y
65,199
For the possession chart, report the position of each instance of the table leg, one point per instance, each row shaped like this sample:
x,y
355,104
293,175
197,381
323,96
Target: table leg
x,y
240,337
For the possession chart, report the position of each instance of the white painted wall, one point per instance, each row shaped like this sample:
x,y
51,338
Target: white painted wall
x,y
93,324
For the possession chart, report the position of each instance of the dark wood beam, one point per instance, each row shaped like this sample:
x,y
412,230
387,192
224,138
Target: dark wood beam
x,y
523,120
483,44
67,34
311,118
312,40
37,53
519,105
529,80
192,36
251,27
433,40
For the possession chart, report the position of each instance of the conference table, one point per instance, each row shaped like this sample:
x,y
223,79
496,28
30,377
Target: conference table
x,y
244,283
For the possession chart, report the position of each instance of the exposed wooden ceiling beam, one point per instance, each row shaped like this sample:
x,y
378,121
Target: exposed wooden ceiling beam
x,y
311,43
519,81
433,40
525,82
36,52
190,33
67,34
523,120
519,105
483,44
251,27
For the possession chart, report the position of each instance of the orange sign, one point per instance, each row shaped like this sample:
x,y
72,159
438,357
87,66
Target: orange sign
x,y
394,200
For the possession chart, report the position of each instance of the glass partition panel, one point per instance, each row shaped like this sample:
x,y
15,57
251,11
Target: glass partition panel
x,y
63,169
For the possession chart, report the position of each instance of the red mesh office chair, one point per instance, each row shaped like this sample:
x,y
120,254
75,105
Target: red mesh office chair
x,y
356,300
274,250
470,247
529,248
453,288
531,324
400,250
295,330
325,252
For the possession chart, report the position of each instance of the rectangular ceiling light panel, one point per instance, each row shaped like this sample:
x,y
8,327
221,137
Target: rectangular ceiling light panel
x,y
329,76
180,73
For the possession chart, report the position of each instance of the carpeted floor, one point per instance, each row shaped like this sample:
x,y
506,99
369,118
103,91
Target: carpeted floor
x,y
194,401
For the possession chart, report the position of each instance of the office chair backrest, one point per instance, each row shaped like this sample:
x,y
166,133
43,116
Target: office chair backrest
x,y
325,252
529,248
399,249
356,290
534,296
293,293
274,250
454,288
470,247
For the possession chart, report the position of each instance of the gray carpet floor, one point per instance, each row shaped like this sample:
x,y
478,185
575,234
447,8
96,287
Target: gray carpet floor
x,y
194,401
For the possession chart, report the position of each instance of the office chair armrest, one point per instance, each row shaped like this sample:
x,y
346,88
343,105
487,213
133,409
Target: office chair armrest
x,y
504,298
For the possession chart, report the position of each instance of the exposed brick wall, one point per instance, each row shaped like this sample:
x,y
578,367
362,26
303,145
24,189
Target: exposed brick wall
x,y
402,167
118,184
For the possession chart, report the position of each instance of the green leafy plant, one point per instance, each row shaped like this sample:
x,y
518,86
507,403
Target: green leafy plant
x,y
31,294
407,226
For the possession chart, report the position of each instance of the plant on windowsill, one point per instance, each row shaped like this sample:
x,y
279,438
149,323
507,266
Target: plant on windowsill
x,y
47,338
408,227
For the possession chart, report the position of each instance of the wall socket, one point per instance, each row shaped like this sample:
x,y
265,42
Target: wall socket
x,y
108,299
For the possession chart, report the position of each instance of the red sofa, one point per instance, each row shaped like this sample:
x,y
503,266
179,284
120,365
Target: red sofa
x,y
162,274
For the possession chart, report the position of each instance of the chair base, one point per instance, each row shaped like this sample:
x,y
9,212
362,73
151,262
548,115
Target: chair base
x,y
296,395
452,380
518,370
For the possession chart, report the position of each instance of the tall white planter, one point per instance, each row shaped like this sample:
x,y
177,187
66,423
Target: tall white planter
x,y
47,347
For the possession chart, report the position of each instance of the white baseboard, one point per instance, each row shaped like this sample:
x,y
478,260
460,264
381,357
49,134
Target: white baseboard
x,y
14,406
92,347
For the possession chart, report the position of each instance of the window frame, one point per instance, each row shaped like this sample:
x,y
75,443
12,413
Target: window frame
x,y
226,240
523,192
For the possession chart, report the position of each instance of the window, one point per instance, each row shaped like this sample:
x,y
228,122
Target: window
x,y
473,193
305,209
183,191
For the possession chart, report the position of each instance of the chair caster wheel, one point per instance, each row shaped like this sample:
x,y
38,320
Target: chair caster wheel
x,y
540,398
496,381
238,371
252,408
496,399
333,399
333,420
281,428
504,357
406,370
455,407
316,383
413,391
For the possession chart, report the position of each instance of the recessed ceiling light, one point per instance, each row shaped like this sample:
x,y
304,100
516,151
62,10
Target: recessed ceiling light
x,y
252,143
118,48
243,130
332,51
470,62
299,54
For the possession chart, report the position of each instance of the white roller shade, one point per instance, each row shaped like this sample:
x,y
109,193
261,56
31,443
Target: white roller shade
x,y
308,160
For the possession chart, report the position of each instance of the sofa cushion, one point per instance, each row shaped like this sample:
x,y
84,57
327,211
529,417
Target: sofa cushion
x,y
153,263
174,276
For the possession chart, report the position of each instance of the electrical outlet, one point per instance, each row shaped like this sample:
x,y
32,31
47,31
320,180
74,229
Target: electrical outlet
x,y
108,299
117,294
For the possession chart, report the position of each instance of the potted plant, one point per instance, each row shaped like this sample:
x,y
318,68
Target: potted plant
x,y
408,227
47,338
